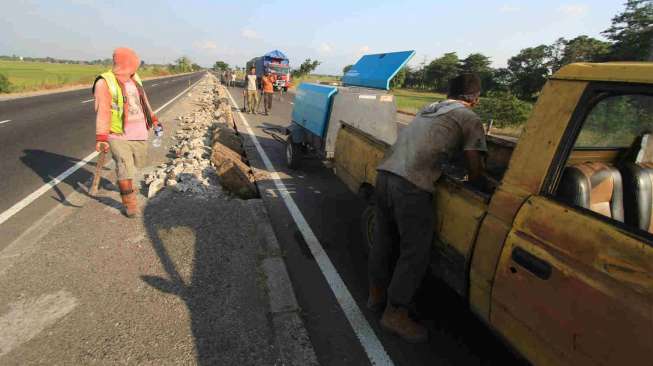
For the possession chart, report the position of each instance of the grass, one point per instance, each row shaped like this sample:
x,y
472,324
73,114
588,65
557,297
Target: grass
x,y
315,79
510,131
410,100
28,76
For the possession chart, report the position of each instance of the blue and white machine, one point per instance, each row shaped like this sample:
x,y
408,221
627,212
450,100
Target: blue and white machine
x,y
363,102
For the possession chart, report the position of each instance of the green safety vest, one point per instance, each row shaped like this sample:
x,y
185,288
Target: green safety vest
x,y
117,99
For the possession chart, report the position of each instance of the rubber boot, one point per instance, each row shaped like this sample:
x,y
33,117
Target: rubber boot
x,y
397,321
129,199
377,299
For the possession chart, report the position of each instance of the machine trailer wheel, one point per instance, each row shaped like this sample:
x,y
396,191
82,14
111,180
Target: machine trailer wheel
x,y
293,153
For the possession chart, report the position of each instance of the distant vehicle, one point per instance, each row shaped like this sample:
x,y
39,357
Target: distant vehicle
x,y
277,63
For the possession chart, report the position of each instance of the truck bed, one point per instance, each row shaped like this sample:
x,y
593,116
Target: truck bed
x,y
369,151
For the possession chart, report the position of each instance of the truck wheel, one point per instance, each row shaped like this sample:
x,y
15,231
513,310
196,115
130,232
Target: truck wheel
x,y
293,153
368,221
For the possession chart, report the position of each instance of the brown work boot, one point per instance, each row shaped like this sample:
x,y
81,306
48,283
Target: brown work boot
x,y
377,298
396,320
129,199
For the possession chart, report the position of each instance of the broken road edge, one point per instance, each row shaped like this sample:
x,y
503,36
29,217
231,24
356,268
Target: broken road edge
x,y
291,336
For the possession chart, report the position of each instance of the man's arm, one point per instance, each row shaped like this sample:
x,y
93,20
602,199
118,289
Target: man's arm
x,y
103,115
475,148
475,165
153,117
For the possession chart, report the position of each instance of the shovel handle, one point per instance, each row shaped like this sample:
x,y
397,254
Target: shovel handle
x,y
98,173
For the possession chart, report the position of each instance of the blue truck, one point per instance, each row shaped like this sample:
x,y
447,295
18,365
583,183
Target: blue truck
x,y
277,63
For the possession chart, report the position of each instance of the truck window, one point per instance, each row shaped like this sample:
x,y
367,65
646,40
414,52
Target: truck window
x,y
611,157
616,121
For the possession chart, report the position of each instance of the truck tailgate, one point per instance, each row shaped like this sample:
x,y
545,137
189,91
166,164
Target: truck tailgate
x,y
356,157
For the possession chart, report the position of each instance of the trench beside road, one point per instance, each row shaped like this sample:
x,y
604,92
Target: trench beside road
x,y
47,134
333,214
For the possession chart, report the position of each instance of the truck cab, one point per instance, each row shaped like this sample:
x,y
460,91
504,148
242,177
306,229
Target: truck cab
x,y
277,64
558,257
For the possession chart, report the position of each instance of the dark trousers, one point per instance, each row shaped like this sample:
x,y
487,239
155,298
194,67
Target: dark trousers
x,y
267,101
404,218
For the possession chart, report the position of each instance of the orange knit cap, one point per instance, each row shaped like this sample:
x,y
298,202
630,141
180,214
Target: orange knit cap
x,y
125,63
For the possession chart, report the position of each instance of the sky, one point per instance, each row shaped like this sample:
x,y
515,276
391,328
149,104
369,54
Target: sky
x,y
334,32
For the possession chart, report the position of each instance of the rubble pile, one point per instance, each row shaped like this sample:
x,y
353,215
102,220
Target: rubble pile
x,y
228,155
209,151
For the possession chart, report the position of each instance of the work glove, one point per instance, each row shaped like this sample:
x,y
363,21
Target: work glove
x,y
101,146
155,121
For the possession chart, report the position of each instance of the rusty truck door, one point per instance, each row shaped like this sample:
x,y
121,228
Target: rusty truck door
x,y
574,284
573,289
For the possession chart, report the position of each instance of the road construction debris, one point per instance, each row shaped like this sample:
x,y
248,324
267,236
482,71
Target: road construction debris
x,y
208,153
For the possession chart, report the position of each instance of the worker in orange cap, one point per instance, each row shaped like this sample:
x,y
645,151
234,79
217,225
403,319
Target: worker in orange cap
x,y
123,119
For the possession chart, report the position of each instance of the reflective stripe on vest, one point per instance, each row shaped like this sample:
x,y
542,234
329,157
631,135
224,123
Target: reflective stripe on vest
x,y
117,100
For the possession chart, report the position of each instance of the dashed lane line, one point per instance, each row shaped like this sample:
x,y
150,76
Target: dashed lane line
x,y
5,121
86,101
368,339
6,215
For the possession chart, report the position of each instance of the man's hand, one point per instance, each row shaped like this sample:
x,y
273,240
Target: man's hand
x,y
101,146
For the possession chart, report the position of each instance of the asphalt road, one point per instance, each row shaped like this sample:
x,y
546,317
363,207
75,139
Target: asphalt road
x,y
42,136
333,213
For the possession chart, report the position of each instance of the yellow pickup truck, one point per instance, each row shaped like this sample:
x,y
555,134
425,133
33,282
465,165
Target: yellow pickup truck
x,y
558,258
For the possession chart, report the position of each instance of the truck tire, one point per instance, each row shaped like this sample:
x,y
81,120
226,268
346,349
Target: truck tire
x,y
367,227
293,153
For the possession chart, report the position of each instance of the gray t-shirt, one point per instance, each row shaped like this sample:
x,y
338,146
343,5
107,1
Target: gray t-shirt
x,y
251,82
439,132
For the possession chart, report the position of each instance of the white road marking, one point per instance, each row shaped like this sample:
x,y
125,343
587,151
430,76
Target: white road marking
x,y
44,188
5,121
368,339
155,84
27,318
86,101
6,215
178,95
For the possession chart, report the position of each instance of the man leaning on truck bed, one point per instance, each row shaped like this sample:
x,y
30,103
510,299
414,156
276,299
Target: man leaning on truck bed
x,y
404,199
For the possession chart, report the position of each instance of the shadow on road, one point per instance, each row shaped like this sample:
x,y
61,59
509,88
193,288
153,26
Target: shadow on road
x,y
50,165
206,250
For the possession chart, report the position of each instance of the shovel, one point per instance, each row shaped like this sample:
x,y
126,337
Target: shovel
x,y
98,174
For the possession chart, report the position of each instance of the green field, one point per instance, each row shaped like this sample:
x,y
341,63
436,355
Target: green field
x,y
409,100
315,79
28,76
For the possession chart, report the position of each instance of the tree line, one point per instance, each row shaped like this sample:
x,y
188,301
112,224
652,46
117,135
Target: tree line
x,y
182,64
630,38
